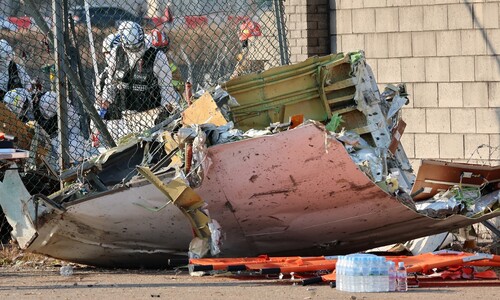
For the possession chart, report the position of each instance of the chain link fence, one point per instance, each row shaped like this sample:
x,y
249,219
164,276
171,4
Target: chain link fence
x,y
77,76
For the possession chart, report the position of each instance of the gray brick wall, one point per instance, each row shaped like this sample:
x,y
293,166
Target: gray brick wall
x,y
447,51
308,28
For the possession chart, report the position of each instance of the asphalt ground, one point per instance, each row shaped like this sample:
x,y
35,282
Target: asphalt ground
x,y
45,282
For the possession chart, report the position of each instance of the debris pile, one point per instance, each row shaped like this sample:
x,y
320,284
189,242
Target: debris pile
x,y
304,159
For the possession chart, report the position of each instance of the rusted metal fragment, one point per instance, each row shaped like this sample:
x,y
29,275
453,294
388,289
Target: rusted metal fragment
x,y
396,136
434,176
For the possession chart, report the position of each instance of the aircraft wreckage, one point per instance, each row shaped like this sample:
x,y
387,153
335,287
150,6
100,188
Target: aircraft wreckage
x,y
302,159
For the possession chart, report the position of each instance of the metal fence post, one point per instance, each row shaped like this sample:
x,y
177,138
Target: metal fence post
x,y
280,26
62,110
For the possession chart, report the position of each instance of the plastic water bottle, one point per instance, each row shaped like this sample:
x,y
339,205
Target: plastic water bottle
x,y
357,276
392,276
348,284
402,278
370,277
339,270
383,278
365,270
66,270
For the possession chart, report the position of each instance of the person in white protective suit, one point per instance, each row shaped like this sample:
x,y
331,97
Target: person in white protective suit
x,y
116,127
45,109
12,75
139,85
17,101
42,108
110,42
156,38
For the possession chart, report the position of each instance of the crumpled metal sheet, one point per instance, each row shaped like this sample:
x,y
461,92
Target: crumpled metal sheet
x,y
114,230
298,192
485,204
440,207
19,213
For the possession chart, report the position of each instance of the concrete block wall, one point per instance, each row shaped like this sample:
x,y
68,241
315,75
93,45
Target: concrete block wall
x,y
448,53
308,28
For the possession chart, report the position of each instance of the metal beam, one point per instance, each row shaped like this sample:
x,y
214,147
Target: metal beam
x,y
491,227
60,85
280,26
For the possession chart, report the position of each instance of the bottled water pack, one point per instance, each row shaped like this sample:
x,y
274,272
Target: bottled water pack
x,y
363,273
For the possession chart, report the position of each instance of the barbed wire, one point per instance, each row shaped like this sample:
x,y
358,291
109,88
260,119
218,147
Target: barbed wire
x,y
485,161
